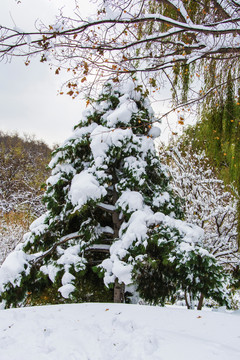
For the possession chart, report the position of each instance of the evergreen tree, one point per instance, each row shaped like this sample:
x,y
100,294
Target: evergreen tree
x,y
112,219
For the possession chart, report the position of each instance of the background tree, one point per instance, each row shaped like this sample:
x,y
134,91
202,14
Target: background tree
x,y
110,210
23,170
207,202
218,133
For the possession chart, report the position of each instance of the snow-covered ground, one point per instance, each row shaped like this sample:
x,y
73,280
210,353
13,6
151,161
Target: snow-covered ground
x,y
117,331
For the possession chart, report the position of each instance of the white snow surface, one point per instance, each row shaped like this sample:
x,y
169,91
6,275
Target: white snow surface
x,y
123,112
66,289
102,138
154,132
12,267
116,332
37,226
131,201
58,171
85,186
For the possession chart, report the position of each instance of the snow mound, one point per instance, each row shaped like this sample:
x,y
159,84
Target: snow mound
x,y
84,187
117,331
13,265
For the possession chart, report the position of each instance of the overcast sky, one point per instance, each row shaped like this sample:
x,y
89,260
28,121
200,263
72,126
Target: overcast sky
x,y
28,94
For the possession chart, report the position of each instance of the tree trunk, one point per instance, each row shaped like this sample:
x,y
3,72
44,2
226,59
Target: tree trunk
x,y
119,290
200,303
186,300
189,303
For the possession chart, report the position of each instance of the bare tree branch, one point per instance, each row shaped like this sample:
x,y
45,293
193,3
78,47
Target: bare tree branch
x,y
152,40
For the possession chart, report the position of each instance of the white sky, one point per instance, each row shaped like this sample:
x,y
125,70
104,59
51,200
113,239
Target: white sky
x,y
28,94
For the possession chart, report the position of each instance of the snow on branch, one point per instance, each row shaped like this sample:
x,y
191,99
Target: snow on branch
x,y
63,240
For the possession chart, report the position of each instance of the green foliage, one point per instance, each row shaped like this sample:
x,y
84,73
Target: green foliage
x,y
218,134
170,266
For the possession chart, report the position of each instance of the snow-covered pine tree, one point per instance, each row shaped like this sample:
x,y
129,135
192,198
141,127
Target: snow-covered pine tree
x,y
111,216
